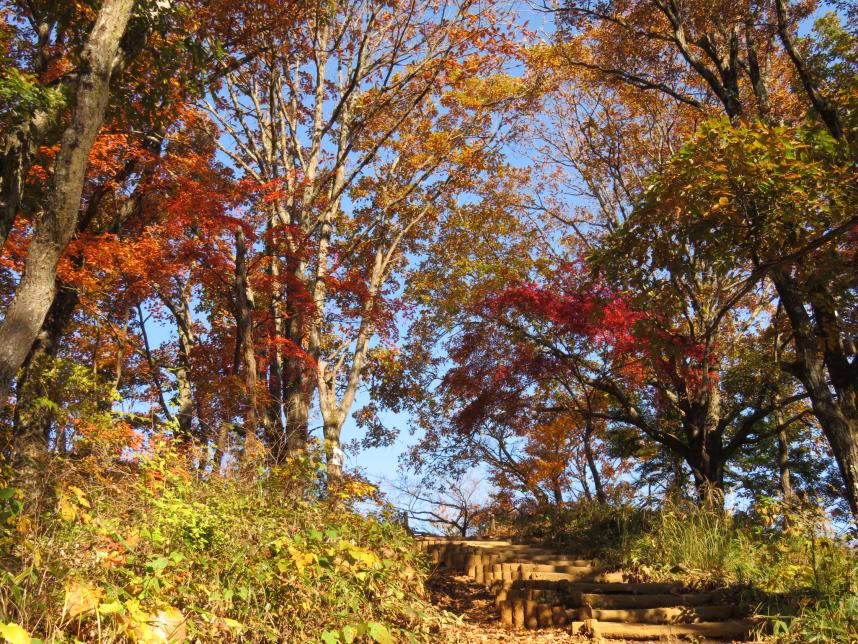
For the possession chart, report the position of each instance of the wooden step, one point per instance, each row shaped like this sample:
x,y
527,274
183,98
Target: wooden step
x,y
730,630
524,569
581,574
624,588
611,602
555,565
598,600
663,615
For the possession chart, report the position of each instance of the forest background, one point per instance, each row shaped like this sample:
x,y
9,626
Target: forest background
x,y
602,260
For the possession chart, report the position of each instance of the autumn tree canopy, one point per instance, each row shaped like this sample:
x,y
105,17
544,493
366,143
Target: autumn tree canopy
x,y
616,256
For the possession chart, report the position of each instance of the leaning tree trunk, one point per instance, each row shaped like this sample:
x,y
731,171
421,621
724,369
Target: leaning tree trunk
x,y
54,229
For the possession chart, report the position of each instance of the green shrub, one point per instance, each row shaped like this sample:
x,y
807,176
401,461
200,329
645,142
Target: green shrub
x,y
706,544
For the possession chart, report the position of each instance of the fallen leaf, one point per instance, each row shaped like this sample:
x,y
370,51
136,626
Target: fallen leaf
x,y
80,599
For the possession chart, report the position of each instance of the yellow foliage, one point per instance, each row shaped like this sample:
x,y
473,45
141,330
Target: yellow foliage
x,y
67,509
302,559
356,490
360,555
71,507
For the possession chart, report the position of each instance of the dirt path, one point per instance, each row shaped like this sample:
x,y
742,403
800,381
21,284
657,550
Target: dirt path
x,y
479,617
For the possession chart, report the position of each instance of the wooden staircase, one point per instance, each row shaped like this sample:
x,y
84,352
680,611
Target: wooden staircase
x,y
539,588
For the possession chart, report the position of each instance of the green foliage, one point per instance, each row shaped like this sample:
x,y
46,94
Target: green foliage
x,y
785,560
686,540
256,558
21,95
71,397
833,619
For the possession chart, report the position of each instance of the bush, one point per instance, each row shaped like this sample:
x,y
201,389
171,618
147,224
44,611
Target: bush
x,y
155,551
705,545
585,528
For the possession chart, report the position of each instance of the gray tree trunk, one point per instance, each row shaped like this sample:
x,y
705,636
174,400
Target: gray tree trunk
x,y
54,229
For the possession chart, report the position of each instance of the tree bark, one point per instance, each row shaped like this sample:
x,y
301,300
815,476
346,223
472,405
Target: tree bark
x,y
244,305
783,466
19,150
818,356
333,452
54,229
298,380
591,463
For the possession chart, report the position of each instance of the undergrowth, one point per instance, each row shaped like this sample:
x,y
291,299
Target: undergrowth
x,y
157,551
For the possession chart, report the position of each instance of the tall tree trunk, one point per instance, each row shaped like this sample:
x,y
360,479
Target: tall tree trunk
x,y
297,412
244,305
783,465
274,409
35,292
705,455
708,472
181,312
298,382
819,358
334,455
591,463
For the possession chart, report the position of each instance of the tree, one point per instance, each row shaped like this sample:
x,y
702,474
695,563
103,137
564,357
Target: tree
x,y
33,296
455,506
359,142
777,197
656,371
749,62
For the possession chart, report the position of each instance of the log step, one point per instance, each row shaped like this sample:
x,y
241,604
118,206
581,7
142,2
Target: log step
x,y
606,588
598,600
558,562
567,568
607,602
731,629
581,574
664,615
